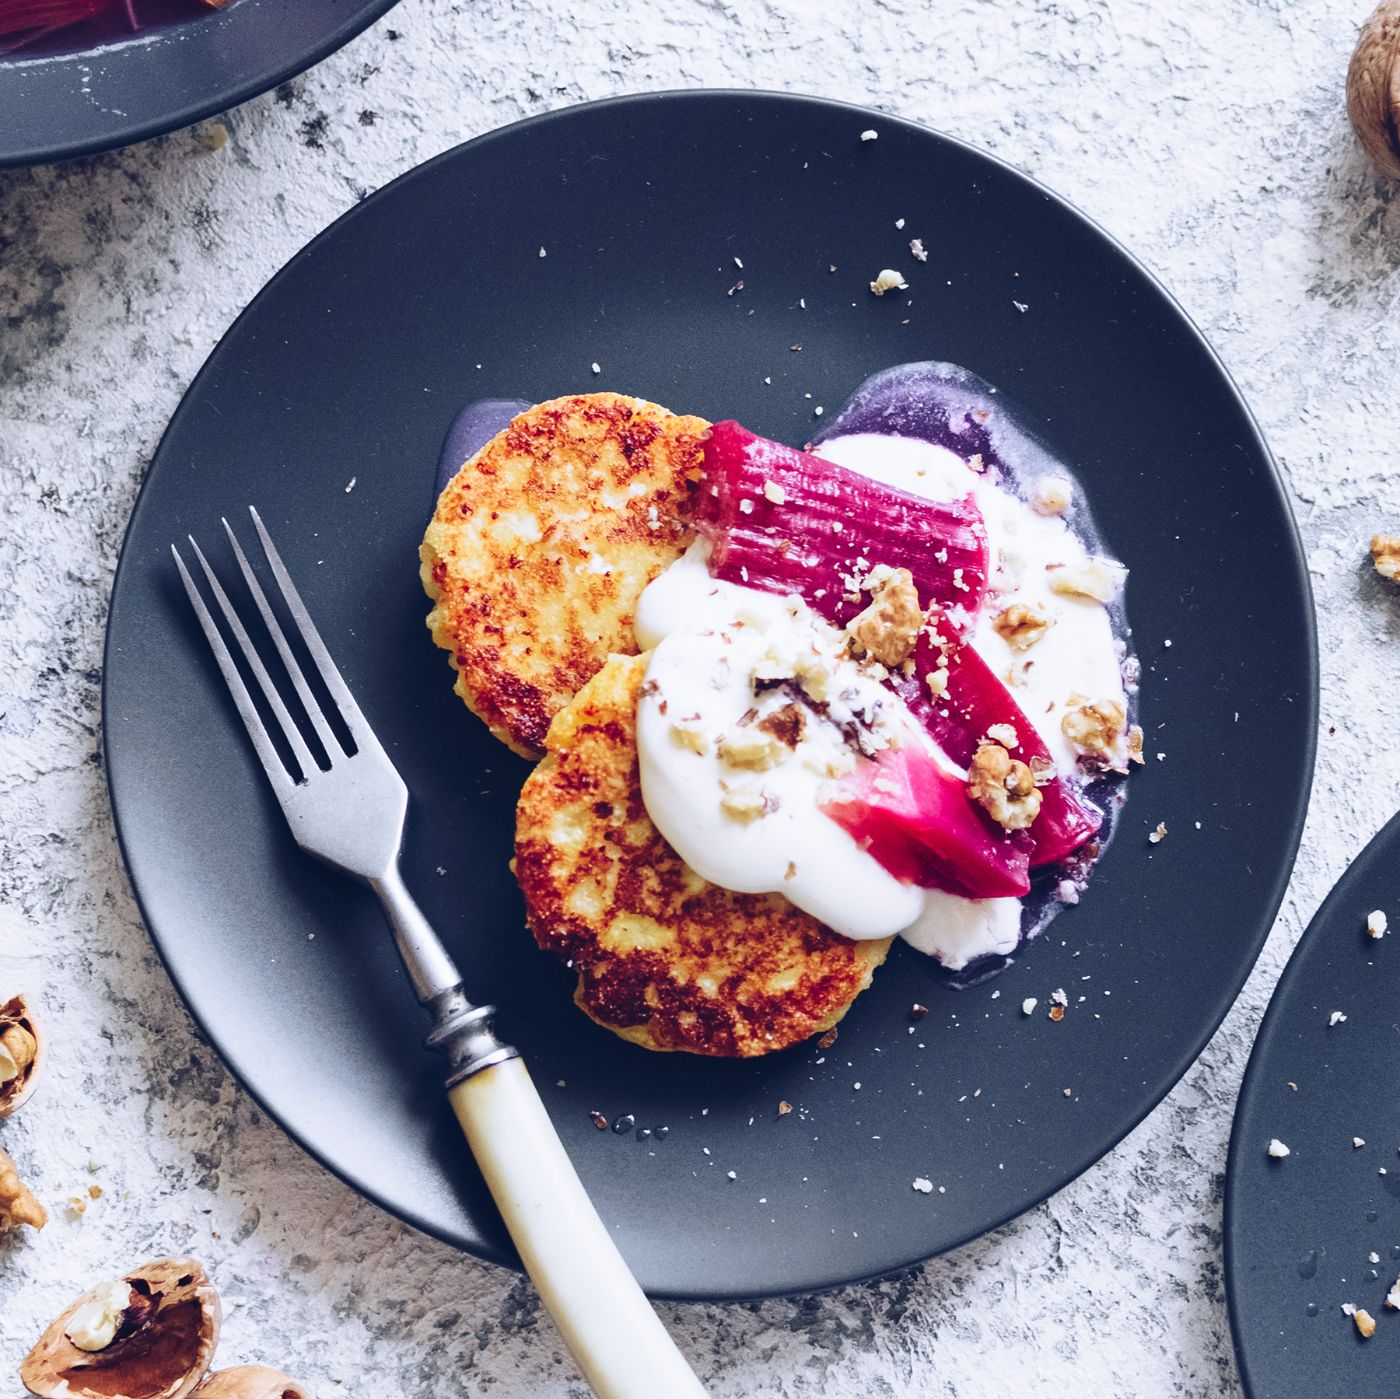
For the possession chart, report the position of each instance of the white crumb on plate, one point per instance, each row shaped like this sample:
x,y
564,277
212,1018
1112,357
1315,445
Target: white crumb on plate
x,y
1377,923
1028,1005
871,135
596,367
1277,1149
888,280
1336,1018
923,1185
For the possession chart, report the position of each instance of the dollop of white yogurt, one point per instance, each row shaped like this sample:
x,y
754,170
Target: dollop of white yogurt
x,y
756,825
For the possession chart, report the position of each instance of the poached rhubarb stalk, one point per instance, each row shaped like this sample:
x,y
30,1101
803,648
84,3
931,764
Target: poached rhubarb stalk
x,y
970,702
914,817
783,521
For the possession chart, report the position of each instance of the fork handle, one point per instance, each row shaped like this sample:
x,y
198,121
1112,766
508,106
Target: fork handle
x,y
604,1317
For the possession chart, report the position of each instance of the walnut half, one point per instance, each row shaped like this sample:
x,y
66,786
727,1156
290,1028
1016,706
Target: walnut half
x,y
21,1054
1094,729
888,629
1003,786
17,1205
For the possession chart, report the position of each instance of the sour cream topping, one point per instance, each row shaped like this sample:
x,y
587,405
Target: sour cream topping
x,y
735,785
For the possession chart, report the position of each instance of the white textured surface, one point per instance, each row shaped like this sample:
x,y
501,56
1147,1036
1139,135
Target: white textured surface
x,y
1214,144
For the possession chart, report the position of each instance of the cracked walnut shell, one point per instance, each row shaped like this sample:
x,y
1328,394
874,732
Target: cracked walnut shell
x,y
1373,88
153,1340
17,1205
251,1382
21,1054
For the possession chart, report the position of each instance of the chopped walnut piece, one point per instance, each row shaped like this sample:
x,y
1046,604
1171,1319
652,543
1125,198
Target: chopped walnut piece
x,y
1097,580
1003,786
784,1107
1365,1323
749,747
889,627
1158,834
687,736
1051,495
1135,744
743,804
815,678
787,724
774,492
828,1039
1392,1298
17,1205
1004,734
1094,728
1021,626
1056,1013
1385,556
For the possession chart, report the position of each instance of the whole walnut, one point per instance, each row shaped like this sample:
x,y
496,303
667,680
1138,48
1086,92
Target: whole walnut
x,y
1373,88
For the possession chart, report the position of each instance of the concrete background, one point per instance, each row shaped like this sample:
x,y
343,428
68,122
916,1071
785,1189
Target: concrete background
x,y
1215,146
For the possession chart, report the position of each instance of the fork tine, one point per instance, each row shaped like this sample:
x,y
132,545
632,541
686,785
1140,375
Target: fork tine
x,y
302,753
273,765
340,692
279,639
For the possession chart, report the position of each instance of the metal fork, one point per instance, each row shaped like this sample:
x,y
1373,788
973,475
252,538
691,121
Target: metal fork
x,y
351,815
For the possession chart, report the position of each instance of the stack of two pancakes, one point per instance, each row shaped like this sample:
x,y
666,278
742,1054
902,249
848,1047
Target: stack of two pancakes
x,y
536,556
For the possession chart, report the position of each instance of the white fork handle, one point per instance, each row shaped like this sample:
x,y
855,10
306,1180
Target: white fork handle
x,y
604,1317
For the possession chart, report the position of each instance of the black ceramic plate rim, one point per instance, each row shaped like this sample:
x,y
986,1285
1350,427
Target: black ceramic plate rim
x,y
1171,1074
1279,999
216,101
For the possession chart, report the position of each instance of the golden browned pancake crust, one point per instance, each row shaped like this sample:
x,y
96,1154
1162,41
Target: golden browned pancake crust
x,y
541,545
664,959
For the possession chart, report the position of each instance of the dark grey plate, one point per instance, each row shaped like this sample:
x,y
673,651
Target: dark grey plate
x,y
350,365
1299,1232
61,102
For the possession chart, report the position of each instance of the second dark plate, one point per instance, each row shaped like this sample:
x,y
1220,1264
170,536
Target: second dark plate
x,y
1300,1231
325,405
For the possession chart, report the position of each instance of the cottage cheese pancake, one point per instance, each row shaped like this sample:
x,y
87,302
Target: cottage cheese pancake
x,y
664,958
541,545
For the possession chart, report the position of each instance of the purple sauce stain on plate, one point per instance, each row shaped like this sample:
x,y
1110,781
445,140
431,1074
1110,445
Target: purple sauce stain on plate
x,y
471,430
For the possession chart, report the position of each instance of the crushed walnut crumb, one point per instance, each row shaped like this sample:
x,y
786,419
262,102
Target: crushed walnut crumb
x,y
1004,787
1385,556
784,1107
1365,1323
888,628
1095,580
747,746
1158,834
1021,625
828,1039
785,725
744,804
